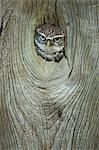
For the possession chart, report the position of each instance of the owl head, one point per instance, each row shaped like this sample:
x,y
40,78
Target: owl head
x,y
49,40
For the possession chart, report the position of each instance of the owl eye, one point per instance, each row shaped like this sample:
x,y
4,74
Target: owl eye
x,y
57,40
42,38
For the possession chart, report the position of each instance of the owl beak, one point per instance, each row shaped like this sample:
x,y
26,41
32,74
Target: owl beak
x,y
49,44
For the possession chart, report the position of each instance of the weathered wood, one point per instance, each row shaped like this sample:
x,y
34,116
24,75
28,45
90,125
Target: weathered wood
x,y
48,105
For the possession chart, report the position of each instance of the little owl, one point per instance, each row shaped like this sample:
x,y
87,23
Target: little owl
x,y
49,40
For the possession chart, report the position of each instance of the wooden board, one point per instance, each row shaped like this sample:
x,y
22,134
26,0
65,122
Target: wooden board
x,y
48,105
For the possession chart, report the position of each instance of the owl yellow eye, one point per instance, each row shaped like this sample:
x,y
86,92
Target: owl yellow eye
x,y
42,38
57,40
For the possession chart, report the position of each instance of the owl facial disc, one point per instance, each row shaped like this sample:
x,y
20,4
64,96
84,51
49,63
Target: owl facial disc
x,y
49,40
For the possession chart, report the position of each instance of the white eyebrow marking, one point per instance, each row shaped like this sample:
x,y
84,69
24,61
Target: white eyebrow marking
x,y
57,36
42,34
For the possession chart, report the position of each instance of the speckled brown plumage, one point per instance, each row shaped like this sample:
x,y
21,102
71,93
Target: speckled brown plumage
x,y
50,30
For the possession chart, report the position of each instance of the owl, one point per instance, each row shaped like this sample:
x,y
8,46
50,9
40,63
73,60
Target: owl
x,y
49,40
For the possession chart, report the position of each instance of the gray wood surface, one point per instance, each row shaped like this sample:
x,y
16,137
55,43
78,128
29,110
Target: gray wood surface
x,y
47,105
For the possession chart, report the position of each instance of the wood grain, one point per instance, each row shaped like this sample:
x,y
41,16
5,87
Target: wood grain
x,y
47,105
